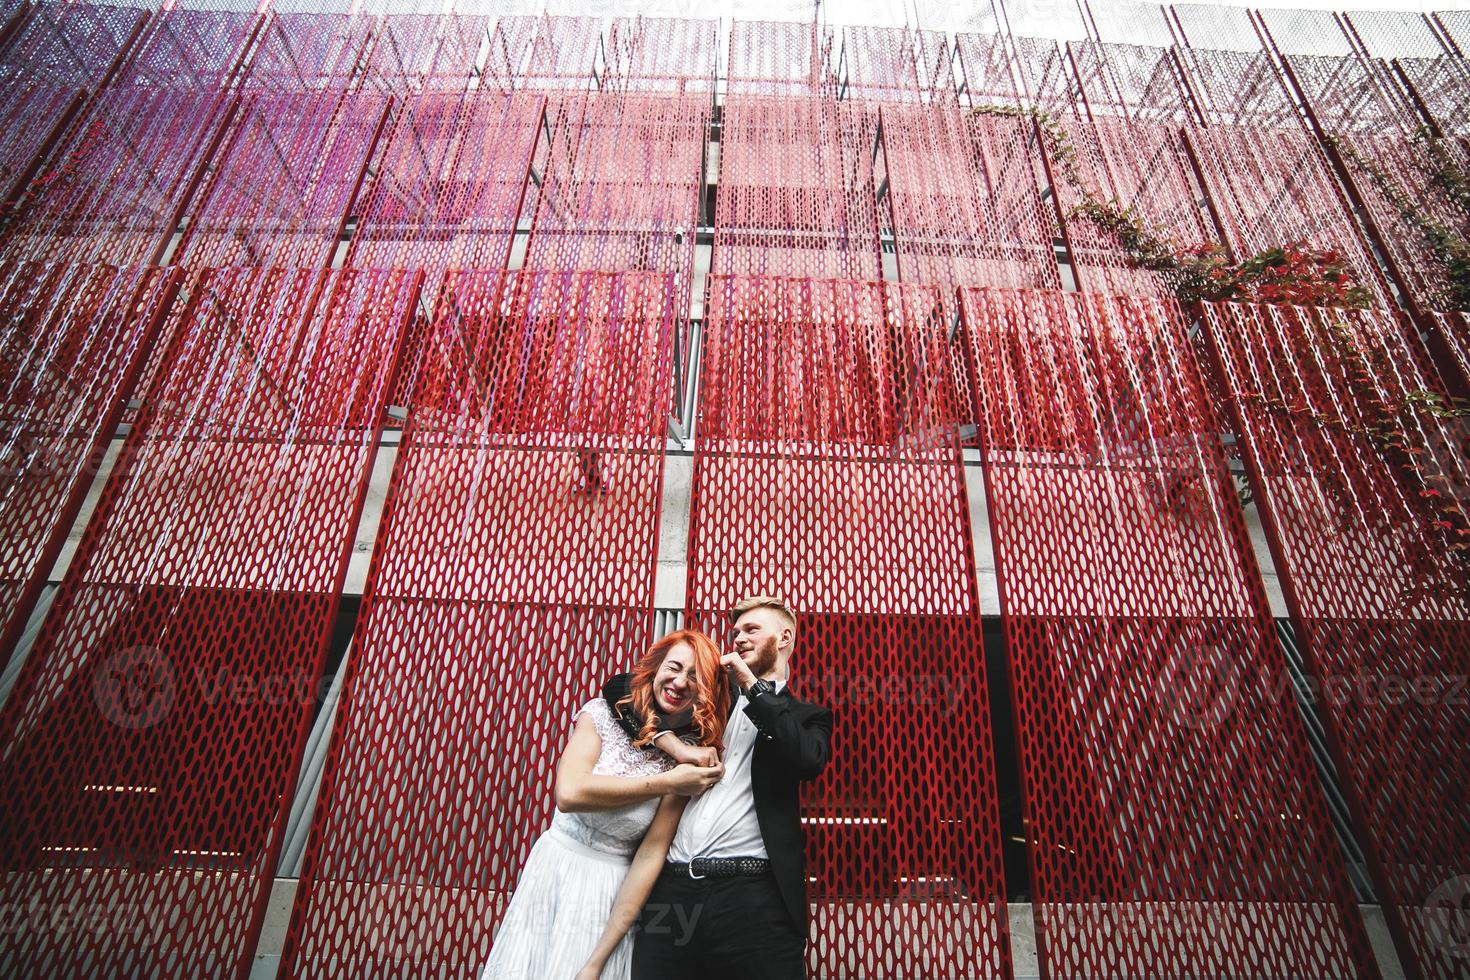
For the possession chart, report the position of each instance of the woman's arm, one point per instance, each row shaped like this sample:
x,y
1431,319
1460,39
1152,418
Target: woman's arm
x,y
642,873
579,789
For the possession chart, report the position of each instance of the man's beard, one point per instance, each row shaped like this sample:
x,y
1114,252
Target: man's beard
x,y
764,660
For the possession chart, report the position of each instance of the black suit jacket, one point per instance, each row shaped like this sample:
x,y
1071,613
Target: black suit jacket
x,y
793,744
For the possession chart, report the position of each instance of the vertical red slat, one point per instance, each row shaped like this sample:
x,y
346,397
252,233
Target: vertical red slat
x,y
827,472
73,340
1176,826
153,736
1378,587
513,573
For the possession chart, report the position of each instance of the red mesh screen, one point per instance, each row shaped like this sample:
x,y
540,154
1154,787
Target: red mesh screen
x,y
564,53
514,567
1442,86
1149,686
661,54
896,64
1391,176
986,63
115,187
1381,602
73,344
1146,168
448,182
779,58
1271,187
966,203
309,50
827,472
153,736
625,192
60,50
796,189
425,52
285,180
1139,83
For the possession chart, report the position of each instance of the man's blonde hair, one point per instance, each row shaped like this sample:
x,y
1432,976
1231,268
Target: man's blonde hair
x,y
765,602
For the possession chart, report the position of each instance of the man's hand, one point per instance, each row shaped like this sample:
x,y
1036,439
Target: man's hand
x,y
696,755
738,670
688,780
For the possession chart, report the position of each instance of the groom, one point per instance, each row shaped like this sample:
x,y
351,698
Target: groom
x,y
735,881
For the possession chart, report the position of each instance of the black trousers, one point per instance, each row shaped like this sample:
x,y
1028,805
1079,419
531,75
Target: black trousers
x,y
717,929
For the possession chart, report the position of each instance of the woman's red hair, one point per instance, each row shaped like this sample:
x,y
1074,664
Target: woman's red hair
x,y
711,689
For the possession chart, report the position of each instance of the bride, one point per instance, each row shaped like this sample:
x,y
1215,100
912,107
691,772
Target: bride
x,y
618,803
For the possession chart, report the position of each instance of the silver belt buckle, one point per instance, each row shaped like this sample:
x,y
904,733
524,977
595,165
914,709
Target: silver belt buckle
x,y
691,870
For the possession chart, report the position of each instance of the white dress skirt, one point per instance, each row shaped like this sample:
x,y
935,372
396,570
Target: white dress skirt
x,y
574,871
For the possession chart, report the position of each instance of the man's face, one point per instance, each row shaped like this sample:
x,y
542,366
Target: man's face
x,y
757,636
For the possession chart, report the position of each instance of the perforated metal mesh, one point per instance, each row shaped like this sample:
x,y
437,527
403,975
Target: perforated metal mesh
x,y
1145,669
827,473
521,526
195,613
1382,605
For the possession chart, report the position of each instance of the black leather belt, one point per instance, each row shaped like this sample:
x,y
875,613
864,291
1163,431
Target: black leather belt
x,y
735,867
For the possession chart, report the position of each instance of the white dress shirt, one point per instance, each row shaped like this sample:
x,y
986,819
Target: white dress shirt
x,y
721,822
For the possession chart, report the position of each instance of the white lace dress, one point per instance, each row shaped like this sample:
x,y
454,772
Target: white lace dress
x,y
567,887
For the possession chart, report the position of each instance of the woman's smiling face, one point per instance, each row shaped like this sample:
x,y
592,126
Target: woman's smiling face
x,y
674,684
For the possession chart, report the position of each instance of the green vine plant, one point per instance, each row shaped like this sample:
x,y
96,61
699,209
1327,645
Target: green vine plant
x,y
1300,275
1447,243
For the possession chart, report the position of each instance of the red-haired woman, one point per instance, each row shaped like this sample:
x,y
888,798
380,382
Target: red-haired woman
x,y
618,803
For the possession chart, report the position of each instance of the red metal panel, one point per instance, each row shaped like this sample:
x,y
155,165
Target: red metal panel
x,y
989,69
116,184
1391,172
1393,33
155,730
1351,95
1144,167
1234,88
61,51
1121,22
1044,74
1273,186
886,64
827,472
1381,603
1177,827
626,194
661,54
510,47
1442,86
1139,83
286,179
304,50
564,55
1306,32
1227,28
514,566
797,194
425,52
967,206
448,183
780,58
72,344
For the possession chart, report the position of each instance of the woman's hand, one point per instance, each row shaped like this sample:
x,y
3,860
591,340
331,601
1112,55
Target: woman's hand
x,y
592,971
687,780
694,755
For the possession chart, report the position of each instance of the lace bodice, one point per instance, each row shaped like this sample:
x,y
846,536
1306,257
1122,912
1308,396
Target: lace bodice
x,y
614,831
